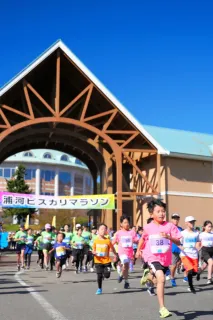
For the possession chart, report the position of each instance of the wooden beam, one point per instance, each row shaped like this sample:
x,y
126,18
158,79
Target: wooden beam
x,y
107,124
129,140
141,173
86,102
109,121
140,193
29,104
99,115
71,103
158,172
41,99
5,119
140,150
57,87
4,106
120,131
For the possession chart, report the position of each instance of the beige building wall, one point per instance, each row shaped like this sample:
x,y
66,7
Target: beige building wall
x,y
190,180
189,175
200,208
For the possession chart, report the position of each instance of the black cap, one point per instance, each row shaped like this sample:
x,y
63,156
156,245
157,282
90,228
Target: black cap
x,y
175,216
21,225
85,225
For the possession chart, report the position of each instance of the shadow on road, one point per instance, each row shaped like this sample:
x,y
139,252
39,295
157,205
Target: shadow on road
x,y
21,292
191,315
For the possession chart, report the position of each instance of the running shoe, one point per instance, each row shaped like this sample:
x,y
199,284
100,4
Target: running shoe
x,y
185,279
164,313
191,289
58,274
168,275
209,281
144,277
64,267
126,285
120,279
173,283
22,267
18,267
46,268
150,289
91,270
76,271
99,291
85,269
28,268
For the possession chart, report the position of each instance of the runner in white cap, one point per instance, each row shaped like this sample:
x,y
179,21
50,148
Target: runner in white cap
x,y
189,250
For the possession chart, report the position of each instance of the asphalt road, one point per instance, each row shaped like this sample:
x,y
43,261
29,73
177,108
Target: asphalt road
x,y
38,295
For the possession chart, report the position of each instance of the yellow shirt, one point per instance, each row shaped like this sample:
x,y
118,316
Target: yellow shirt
x,y
102,248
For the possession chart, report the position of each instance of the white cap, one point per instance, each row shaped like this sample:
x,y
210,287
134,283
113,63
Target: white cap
x,y
190,219
47,226
78,225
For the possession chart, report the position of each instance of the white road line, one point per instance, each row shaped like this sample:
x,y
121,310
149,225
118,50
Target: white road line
x,y
49,309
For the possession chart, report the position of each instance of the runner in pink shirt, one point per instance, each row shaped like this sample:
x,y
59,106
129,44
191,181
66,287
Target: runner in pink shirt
x,y
156,244
125,239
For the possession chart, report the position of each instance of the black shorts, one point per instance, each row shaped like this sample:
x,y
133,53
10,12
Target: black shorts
x,y
62,261
145,265
20,247
207,253
105,269
86,250
47,246
156,266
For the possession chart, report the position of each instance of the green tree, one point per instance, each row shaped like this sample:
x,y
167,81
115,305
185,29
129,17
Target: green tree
x,y
17,184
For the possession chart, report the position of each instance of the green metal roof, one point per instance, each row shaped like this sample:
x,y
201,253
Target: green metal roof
x,y
183,142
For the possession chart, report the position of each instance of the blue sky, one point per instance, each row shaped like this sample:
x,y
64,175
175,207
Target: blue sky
x,y
155,56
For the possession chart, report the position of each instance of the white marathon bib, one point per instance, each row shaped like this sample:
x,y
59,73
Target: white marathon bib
x,y
126,242
207,239
79,245
159,244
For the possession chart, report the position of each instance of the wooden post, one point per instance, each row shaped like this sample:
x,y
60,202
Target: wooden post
x,y
158,172
119,185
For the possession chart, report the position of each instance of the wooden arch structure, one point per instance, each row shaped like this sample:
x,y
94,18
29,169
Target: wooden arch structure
x,y
57,103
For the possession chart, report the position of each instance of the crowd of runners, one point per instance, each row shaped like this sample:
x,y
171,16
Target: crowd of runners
x,y
164,249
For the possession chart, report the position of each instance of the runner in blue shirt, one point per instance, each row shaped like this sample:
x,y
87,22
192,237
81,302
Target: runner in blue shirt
x,y
176,261
60,247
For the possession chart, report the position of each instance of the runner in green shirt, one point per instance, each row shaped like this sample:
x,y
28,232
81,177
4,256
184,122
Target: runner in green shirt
x,y
47,238
67,240
78,249
87,237
20,238
39,246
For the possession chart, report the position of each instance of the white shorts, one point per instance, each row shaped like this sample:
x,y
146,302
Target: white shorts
x,y
124,259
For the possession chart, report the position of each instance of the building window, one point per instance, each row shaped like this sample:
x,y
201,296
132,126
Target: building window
x,y
88,182
64,158
30,174
77,161
28,154
47,175
47,156
64,183
7,173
